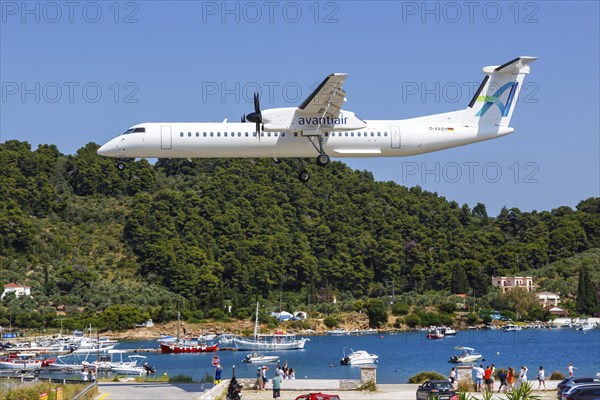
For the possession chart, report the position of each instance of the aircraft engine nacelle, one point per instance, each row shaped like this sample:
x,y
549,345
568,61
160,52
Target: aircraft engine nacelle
x,y
291,120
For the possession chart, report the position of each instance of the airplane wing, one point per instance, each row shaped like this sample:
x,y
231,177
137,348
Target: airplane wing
x,y
327,99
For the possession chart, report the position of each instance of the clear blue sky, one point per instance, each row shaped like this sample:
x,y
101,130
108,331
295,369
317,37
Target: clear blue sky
x,y
81,72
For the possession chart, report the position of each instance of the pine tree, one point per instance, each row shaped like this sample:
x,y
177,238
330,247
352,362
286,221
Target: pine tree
x,y
460,283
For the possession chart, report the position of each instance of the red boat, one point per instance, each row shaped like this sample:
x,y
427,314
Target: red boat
x,y
168,348
434,333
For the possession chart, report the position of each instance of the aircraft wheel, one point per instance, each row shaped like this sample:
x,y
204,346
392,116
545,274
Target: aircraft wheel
x,y
322,160
304,176
120,166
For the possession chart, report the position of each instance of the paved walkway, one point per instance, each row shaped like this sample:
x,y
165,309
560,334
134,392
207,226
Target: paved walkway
x,y
150,391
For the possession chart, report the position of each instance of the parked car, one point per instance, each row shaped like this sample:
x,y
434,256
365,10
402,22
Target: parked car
x,y
586,392
439,390
578,391
318,396
568,383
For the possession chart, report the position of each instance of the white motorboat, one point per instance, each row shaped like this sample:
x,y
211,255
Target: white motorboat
x,y
359,357
337,332
254,358
360,332
131,367
448,331
511,328
21,361
468,355
585,326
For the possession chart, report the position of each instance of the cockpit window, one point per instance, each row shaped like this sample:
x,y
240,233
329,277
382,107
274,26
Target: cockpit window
x,y
138,130
127,131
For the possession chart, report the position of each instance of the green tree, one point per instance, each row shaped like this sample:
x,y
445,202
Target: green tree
x,y
377,313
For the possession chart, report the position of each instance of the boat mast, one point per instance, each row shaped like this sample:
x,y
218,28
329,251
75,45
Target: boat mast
x,y
256,323
178,324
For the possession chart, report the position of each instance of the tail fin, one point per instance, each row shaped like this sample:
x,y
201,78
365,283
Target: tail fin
x,y
493,103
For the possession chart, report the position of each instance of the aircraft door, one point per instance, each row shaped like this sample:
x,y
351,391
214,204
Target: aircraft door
x,y
165,137
395,136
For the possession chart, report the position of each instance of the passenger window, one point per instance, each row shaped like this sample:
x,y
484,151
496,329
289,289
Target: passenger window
x,y
189,134
197,134
204,134
181,134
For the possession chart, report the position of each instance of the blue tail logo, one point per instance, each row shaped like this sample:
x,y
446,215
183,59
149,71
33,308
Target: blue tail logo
x,y
495,99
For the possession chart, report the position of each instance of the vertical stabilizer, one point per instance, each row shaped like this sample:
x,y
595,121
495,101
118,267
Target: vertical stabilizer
x,y
495,99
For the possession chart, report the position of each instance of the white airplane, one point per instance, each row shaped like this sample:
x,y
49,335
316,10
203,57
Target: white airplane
x,y
320,127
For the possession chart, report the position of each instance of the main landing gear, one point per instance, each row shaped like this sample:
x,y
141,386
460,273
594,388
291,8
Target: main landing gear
x,y
322,159
120,165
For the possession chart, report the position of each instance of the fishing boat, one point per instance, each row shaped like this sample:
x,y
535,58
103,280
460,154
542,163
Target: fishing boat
x,y
194,345
359,357
279,340
183,347
254,358
434,333
21,361
468,355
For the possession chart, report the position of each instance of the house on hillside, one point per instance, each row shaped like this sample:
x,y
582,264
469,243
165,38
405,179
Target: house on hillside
x,y
548,299
507,283
19,290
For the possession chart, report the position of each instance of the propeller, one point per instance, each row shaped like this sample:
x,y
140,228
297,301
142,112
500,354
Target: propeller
x,y
256,116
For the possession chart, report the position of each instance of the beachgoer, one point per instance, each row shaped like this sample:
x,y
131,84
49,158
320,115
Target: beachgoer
x,y
260,384
264,376
479,372
277,379
93,378
523,375
510,379
541,377
84,375
218,372
452,376
493,376
292,373
570,368
503,383
487,377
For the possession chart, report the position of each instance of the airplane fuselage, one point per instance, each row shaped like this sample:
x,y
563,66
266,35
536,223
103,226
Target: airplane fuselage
x,y
380,138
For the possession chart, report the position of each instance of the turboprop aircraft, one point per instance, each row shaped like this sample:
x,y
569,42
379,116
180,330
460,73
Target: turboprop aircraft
x,y
319,126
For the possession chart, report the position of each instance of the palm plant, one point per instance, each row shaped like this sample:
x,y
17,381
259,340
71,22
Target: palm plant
x,y
522,392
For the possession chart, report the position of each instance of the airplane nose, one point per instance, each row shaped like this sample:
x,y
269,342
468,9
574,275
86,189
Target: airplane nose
x,y
109,149
103,150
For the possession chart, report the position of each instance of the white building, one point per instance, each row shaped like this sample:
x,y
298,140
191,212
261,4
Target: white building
x,y
507,283
548,299
19,290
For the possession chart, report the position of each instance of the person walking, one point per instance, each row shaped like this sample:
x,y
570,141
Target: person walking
x,y
277,379
541,378
503,376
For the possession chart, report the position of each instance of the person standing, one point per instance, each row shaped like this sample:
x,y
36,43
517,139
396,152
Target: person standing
x,y
493,376
452,376
503,376
570,368
277,379
523,375
260,384
541,377
510,379
218,372
479,372
487,376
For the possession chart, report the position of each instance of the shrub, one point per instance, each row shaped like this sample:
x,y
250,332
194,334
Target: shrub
x,y
400,309
331,322
426,376
377,313
181,378
412,320
216,313
447,307
557,376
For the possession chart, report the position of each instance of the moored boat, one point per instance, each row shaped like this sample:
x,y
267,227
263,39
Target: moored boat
x,y
359,357
511,328
435,333
183,347
337,332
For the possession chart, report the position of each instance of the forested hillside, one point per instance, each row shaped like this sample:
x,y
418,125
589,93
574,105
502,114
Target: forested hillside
x,y
96,242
